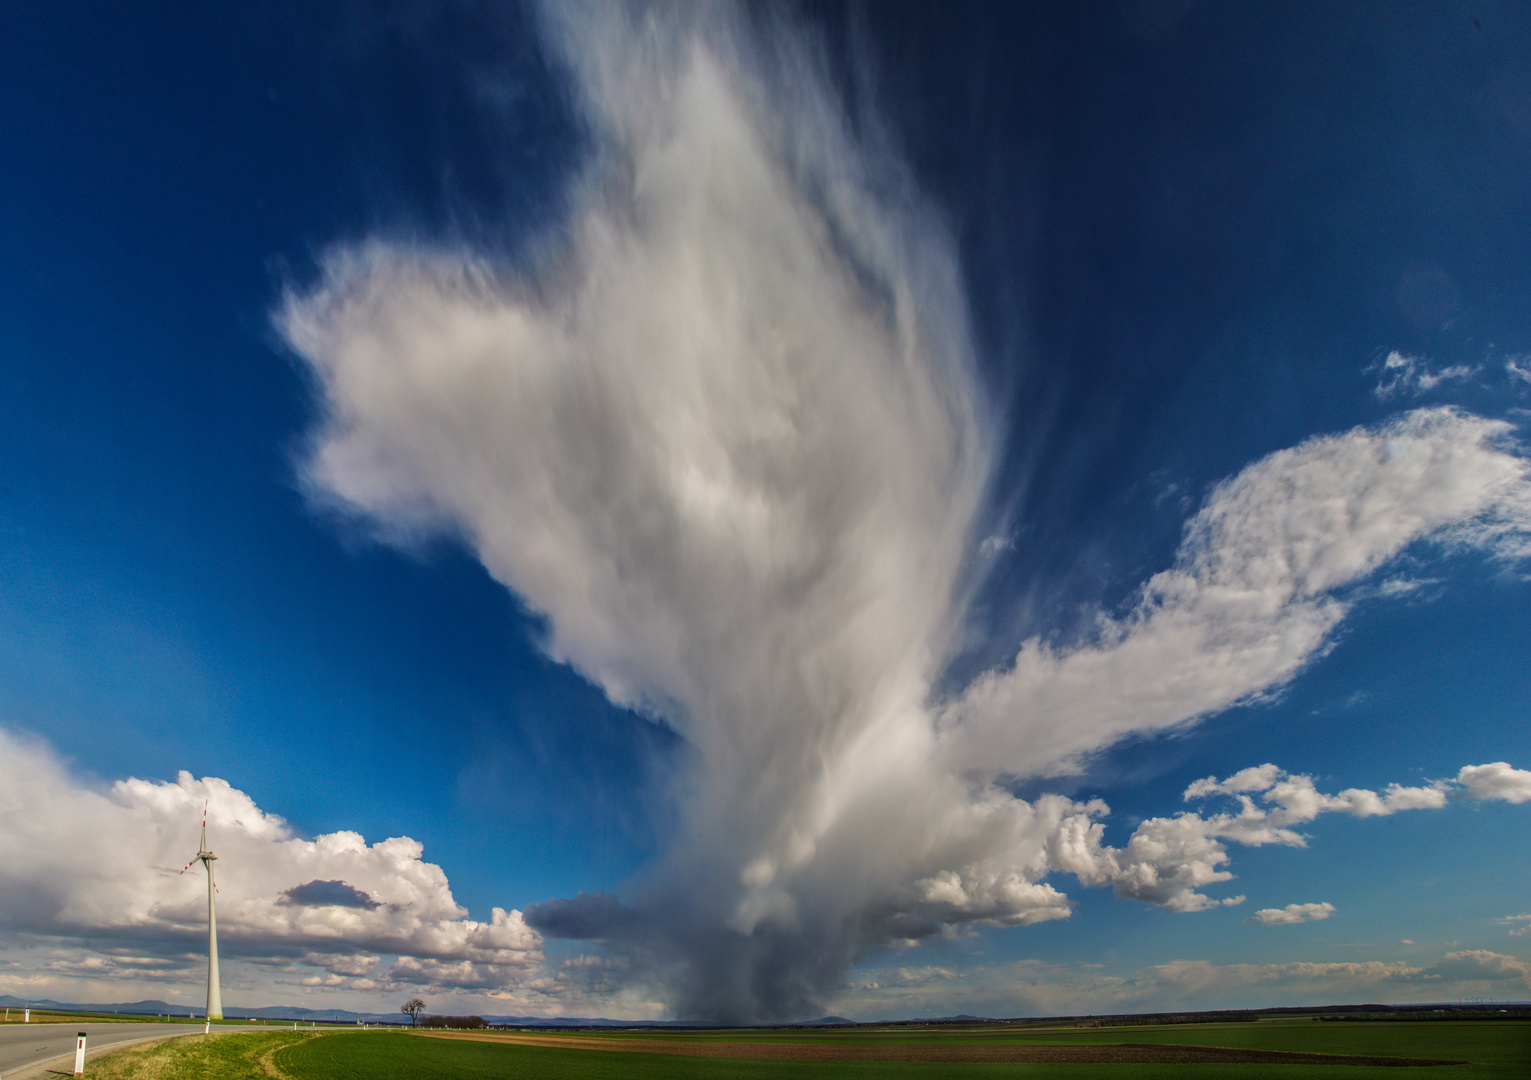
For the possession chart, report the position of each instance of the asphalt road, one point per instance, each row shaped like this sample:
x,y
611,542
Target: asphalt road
x,y
25,1046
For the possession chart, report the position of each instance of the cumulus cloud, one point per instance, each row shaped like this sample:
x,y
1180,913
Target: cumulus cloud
x,y
1517,931
1496,780
1295,799
726,437
1292,913
1472,965
1167,860
101,869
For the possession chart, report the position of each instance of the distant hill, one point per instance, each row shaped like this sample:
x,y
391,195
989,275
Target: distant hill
x,y
162,1008
132,1008
333,1016
345,1016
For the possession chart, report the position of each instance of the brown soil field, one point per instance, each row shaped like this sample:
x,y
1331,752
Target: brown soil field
x,y
1117,1054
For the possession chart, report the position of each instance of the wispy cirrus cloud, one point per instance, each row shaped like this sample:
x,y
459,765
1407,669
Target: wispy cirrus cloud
x,y
1411,376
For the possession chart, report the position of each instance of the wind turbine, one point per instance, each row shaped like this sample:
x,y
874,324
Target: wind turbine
x,y
205,857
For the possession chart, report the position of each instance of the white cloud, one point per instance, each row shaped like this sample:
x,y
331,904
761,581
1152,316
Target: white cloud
x,y
729,446
993,546
1167,860
1496,780
1413,376
988,894
1292,913
1254,778
96,872
1482,965
1517,931
1295,799
727,438
1251,596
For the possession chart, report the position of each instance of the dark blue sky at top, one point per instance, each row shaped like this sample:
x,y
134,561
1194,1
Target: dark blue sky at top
x,y
1184,239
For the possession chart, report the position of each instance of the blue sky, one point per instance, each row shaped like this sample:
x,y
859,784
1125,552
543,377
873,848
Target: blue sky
x,y
628,455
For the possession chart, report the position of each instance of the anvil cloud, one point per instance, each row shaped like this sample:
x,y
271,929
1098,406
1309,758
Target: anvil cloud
x,y
725,433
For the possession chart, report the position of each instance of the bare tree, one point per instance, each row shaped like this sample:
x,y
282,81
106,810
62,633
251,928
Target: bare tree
x,y
412,1009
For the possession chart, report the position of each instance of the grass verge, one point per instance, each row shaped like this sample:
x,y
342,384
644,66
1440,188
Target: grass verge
x,y
238,1056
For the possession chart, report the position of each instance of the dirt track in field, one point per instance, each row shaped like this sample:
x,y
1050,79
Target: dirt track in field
x,y
1117,1054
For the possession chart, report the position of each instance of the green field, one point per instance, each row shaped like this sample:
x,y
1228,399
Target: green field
x,y
1494,1050
1504,1042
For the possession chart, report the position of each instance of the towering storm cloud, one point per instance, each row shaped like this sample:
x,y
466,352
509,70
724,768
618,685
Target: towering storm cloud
x,y
726,435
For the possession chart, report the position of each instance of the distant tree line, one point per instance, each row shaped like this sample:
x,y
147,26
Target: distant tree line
x,y
454,1022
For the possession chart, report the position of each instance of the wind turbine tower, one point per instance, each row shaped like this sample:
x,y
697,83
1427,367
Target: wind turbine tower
x,y
206,858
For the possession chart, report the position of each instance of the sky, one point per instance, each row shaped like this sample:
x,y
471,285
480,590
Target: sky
x,y
744,513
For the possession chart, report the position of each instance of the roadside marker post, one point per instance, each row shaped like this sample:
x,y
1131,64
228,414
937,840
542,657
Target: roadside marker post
x,y
79,1054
